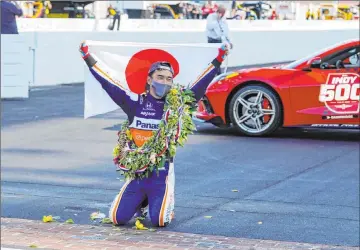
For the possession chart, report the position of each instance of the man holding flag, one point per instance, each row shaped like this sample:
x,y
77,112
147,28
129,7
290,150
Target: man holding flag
x,y
158,120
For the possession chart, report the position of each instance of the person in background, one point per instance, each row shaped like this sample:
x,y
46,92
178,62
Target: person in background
x,y
9,11
273,15
196,12
72,11
181,10
233,8
47,7
192,11
116,17
217,29
189,9
208,9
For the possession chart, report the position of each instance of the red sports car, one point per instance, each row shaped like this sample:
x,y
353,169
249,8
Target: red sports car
x,y
320,90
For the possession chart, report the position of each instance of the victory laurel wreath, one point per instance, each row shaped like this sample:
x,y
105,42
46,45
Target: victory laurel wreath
x,y
174,128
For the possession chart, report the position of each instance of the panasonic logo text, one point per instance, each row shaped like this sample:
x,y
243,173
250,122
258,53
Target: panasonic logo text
x,y
140,124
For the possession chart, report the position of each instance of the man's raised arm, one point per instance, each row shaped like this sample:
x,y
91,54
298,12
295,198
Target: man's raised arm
x,y
120,95
200,85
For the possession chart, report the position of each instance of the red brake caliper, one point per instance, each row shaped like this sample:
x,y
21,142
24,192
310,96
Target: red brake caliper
x,y
266,105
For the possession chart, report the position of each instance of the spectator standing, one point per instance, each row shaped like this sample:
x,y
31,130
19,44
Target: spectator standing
x,y
233,8
196,12
115,13
217,29
189,9
9,11
73,10
181,10
47,7
192,11
208,9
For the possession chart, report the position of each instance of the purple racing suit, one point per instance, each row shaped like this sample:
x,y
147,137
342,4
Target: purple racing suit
x,y
144,114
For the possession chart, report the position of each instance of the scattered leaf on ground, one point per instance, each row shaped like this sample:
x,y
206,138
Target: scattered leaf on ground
x,y
140,226
106,221
235,190
97,215
69,221
33,246
47,218
208,216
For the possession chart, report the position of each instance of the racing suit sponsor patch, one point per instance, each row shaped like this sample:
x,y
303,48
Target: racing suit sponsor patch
x,y
140,136
141,129
145,124
149,106
147,113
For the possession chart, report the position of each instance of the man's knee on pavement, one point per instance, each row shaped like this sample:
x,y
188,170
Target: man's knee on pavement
x,y
119,218
120,221
161,221
155,223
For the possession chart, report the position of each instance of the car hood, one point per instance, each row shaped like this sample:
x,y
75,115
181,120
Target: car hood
x,y
267,74
275,66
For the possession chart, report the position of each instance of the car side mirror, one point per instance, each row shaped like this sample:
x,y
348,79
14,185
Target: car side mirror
x,y
312,62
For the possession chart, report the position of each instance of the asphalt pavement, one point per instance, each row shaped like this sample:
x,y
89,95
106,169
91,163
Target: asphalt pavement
x,y
297,185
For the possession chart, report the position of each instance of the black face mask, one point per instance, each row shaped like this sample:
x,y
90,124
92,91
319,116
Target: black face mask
x,y
161,90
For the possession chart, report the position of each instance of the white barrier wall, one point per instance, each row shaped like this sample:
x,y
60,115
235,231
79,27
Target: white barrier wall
x,y
57,60
60,62
53,24
16,65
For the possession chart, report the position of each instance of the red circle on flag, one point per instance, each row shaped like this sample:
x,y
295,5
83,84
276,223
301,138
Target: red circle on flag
x,y
136,71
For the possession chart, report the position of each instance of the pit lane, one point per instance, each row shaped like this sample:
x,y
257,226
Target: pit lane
x,y
297,185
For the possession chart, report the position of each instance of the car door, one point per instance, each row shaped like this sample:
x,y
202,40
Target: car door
x,y
329,92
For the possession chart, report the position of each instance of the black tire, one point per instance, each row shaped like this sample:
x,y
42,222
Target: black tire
x,y
276,122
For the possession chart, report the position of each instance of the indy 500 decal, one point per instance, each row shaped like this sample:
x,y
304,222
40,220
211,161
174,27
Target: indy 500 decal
x,y
341,93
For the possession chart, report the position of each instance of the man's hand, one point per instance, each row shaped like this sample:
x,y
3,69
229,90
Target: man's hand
x,y
223,51
84,50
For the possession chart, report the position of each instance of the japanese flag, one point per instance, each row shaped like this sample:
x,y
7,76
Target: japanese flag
x,y
129,63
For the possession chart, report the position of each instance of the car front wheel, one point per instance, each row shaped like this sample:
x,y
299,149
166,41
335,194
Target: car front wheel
x,y
255,111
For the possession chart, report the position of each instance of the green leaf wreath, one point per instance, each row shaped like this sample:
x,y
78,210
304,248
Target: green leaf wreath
x,y
176,125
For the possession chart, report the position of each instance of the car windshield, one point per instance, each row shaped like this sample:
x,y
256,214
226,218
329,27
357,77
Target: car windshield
x,y
296,63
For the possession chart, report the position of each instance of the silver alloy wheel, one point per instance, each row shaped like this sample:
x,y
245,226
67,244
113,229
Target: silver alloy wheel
x,y
248,111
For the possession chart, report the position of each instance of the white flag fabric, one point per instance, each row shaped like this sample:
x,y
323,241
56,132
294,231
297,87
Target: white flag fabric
x,y
192,60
